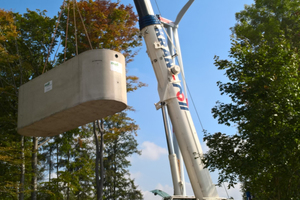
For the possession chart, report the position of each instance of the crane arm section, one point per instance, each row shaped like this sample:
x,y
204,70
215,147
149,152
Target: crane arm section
x,y
171,93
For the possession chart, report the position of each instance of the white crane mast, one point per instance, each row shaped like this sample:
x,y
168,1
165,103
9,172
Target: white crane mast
x,y
172,96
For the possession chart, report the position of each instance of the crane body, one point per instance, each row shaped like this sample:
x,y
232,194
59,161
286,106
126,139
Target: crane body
x,y
172,99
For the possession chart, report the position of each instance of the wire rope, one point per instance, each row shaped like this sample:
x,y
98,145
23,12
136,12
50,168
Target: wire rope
x,y
57,50
165,29
87,35
67,29
50,48
74,13
196,110
169,38
157,7
226,190
195,107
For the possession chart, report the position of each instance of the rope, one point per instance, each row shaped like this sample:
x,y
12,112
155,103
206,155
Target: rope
x,y
87,35
53,38
195,107
165,29
169,38
74,2
57,51
67,29
157,7
226,190
193,102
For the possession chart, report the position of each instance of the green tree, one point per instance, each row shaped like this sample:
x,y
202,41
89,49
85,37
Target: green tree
x,y
104,24
75,163
8,154
263,73
24,45
22,58
119,145
35,37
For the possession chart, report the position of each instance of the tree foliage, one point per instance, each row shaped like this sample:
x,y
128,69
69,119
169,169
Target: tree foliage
x,y
119,145
65,167
108,26
21,59
112,26
263,73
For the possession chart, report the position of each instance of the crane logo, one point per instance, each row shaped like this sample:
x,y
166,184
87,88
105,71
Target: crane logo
x,y
169,62
162,40
180,97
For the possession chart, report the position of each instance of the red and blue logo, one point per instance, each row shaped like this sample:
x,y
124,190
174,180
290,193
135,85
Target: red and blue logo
x,y
181,98
169,63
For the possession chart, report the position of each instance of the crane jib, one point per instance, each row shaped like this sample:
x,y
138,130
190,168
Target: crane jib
x,y
169,63
171,94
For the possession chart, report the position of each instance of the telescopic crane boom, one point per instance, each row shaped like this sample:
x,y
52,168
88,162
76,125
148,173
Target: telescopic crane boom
x,y
172,96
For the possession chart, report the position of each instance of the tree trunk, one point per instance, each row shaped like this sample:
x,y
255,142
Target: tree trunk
x,y
115,169
22,178
57,164
68,185
99,157
101,129
50,164
34,169
97,162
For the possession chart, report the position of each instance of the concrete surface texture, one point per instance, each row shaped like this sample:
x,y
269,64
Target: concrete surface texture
x,y
87,87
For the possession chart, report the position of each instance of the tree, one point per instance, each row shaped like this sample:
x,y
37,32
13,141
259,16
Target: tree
x,y
263,72
108,26
99,143
8,164
24,42
74,164
35,34
103,24
119,145
76,173
24,45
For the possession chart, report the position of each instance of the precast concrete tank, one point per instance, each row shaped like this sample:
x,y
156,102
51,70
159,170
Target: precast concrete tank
x,y
85,88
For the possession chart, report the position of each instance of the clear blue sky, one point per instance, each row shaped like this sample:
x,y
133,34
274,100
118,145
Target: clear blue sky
x,y
204,32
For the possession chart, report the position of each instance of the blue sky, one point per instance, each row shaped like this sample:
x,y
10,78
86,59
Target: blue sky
x,y
203,32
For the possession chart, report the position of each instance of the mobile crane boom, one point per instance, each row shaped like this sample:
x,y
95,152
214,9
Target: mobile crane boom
x,y
171,94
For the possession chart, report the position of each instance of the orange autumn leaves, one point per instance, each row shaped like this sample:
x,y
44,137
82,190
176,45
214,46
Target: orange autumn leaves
x,y
109,26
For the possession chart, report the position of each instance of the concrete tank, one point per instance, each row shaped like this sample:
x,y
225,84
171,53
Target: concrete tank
x,y
87,87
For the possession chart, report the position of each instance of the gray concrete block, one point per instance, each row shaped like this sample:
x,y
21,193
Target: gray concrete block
x,y
87,87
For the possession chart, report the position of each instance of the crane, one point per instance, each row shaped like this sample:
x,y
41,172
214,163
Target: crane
x,y
173,102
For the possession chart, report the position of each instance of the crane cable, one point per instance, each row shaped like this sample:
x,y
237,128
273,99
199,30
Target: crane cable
x,y
54,58
50,48
165,30
75,5
194,104
87,35
67,29
157,7
74,13
226,190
